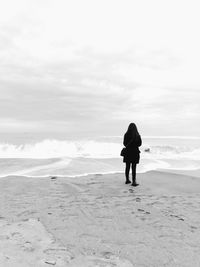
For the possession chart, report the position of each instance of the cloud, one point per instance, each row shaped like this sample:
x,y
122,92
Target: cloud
x,y
96,65
10,124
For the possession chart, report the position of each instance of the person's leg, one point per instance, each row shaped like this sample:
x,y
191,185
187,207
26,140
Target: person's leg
x,y
127,170
134,174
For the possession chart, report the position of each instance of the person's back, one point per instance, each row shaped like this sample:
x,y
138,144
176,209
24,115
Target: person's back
x,y
132,140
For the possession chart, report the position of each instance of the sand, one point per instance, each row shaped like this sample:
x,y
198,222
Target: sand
x,y
97,220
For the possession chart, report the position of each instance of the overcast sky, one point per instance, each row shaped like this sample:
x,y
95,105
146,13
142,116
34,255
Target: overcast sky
x,y
91,67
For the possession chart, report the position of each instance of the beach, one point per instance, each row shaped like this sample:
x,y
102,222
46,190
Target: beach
x,y
96,220
80,82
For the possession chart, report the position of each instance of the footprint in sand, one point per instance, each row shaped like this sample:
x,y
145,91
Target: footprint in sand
x,y
54,254
50,262
131,190
142,215
146,212
107,254
53,177
176,216
141,210
193,228
28,247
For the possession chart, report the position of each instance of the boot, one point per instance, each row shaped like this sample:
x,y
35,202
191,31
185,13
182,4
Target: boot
x,y
134,182
127,181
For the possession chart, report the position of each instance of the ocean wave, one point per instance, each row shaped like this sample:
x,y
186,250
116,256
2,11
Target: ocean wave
x,y
93,149
56,148
171,152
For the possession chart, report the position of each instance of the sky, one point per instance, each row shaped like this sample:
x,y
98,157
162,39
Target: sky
x,y
89,68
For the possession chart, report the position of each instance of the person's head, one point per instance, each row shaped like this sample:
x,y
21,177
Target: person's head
x,y
132,129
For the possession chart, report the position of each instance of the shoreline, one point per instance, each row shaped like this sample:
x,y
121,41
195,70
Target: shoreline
x,y
76,167
187,172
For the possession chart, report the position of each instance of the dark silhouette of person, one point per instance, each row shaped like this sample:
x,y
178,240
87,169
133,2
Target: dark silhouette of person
x,y
132,140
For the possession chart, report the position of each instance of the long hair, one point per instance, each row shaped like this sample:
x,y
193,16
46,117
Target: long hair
x,y
132,130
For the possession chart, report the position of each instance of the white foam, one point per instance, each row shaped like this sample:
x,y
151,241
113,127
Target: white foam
x,y
57,148
72,158
92,149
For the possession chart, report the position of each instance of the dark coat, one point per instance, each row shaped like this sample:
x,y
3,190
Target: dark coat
x,y
132,154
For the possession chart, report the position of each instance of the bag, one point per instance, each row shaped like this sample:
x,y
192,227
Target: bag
x,y
123,152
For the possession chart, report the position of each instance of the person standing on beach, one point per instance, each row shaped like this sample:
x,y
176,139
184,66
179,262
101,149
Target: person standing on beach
x,y
132,140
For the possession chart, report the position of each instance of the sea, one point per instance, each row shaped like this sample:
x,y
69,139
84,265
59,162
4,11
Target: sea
x,y
99,155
